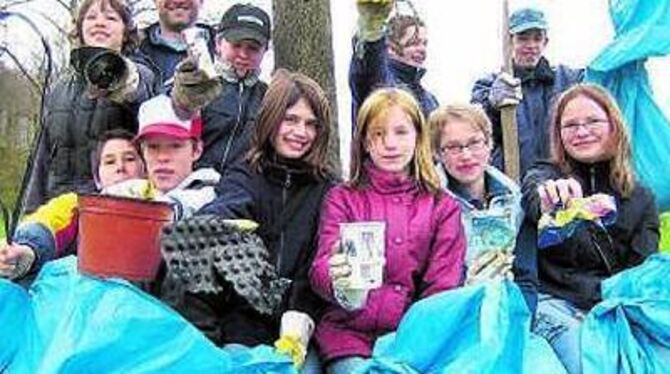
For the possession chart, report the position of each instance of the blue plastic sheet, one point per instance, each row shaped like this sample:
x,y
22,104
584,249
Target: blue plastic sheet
x,y
70,323
482,328
629,331
642,30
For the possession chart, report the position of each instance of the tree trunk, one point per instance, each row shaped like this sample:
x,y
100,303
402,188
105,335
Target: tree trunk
x,y
303,42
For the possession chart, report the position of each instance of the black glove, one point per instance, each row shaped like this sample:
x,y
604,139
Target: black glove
x,y
103,68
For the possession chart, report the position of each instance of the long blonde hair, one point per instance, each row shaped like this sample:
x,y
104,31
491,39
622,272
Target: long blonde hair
x,y
422,168
621,174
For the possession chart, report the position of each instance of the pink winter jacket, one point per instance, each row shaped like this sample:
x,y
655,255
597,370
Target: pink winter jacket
x,y
425,246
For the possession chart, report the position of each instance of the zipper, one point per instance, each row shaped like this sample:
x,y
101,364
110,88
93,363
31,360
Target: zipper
x,y
592,177
226,151
284,196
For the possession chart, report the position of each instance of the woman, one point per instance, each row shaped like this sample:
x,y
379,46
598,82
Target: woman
x,y
51,231
489,200
280,186
393,181
590,154
89,99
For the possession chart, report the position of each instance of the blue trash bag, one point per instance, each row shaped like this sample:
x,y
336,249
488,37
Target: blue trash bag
x,y
15,314
642,30
629,331
83,324
483,328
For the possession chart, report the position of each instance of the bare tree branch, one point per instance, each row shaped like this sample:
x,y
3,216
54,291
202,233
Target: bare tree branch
x,y
20,67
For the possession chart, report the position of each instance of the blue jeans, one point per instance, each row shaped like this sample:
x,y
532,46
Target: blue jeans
x,y
312,363
559,322
345,365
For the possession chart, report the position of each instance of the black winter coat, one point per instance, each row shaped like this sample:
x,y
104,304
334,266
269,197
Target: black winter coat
x,y
574,269
229,122
73,122
285,200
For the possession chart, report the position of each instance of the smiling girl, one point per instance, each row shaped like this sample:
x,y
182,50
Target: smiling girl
x,y
79,110
392,180
590,154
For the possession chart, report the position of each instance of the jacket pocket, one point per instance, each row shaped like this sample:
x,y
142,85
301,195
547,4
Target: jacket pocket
x,y
383,310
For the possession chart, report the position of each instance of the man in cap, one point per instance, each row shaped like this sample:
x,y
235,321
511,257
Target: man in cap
x,y
533,88
229,101
389,53
163,43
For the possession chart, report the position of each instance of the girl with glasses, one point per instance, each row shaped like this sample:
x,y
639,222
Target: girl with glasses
x,y
591,154
490,201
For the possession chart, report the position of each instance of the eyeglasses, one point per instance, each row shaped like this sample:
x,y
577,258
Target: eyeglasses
x,y
592,125
457,149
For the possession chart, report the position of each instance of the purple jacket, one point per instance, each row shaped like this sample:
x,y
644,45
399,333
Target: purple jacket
x,y
425,246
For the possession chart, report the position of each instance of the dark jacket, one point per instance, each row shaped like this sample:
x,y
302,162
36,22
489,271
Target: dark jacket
x,y
285,199
72,124
229,121
574,269
165,56
372,68
540,86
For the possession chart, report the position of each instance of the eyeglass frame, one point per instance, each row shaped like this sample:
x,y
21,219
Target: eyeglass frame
x,y
458,149
592,126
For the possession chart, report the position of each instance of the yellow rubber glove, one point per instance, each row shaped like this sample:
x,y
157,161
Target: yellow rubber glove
x,y
294,334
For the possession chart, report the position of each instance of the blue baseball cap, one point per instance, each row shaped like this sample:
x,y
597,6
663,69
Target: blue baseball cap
x,y
526,19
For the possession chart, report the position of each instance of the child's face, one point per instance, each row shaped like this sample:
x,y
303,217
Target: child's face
x,y
391,140
464,151
297,131
169,160
119,161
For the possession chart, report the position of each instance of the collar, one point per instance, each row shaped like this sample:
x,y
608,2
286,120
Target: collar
x,y
493,187
154,35
227,72
406,73
541,72
388,183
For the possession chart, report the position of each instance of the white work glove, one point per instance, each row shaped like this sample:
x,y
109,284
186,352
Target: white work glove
x,y
127,88
505,91
15,260
294,333
340,275
372,15
490,266
133,188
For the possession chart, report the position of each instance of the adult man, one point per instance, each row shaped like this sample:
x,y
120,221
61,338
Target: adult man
x,y
244,33
163,42
534,86
388,55
170,147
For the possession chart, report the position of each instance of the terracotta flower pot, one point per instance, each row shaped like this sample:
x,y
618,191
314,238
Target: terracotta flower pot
x,y
120,237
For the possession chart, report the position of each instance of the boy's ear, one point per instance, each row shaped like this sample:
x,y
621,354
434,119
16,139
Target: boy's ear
x,y
198,147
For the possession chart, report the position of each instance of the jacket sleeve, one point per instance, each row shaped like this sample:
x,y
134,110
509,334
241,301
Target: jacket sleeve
x,y
333,212
447,254
525,250
368,68
235,195
646,233
51,229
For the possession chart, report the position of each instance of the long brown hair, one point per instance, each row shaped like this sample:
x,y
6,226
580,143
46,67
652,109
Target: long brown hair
x,y
285,90
621,175
422,168
130,34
